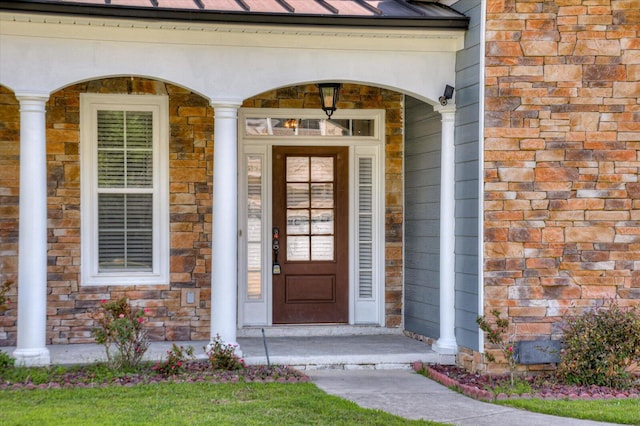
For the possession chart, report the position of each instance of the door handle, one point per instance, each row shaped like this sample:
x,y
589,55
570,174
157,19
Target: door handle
x,y
275,245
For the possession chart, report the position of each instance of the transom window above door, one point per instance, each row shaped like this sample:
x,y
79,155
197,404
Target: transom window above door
x,y
311,124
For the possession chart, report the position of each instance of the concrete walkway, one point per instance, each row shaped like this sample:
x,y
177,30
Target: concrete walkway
x,y
410,395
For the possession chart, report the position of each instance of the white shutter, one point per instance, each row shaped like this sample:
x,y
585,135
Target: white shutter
x,y
365,227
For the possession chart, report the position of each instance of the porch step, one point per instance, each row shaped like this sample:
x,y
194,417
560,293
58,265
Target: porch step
x,y
317,330
386,351
361,351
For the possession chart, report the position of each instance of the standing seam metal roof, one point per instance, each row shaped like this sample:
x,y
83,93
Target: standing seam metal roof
x,y
392,13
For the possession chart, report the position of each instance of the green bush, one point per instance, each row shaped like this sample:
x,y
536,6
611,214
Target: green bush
x,y
121,326
6,361
223,356
600,345
497,333
4,300
177,357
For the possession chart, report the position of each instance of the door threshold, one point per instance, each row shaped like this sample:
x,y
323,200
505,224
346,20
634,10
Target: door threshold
x,y
297,330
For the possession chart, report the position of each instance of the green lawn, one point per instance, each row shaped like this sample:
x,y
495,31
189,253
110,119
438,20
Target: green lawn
x,y
189,404
623,411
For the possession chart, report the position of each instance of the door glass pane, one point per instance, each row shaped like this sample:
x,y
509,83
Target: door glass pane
x,y
298,222
297,195
297,248
322,222
322,248
322,195
254,285
322,169
254,227
297,169
253,256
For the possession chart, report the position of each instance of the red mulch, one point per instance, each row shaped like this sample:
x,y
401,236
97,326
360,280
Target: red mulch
x,y
483,387
194,372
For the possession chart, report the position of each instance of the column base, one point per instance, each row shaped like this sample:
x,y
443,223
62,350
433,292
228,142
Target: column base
x,y
32,357
445,347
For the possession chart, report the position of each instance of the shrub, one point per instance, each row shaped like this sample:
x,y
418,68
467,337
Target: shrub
x,y
4,300
497,332
223,356
121,326
6,361
176,359
600,345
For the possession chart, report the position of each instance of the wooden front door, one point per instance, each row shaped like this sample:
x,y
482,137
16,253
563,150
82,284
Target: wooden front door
x,y
310,212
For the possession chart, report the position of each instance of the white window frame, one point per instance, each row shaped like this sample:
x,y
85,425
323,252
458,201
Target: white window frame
x,y
159,106
362,311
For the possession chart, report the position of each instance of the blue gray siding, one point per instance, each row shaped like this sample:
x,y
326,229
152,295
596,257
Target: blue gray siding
x,y
422,218
422,198
467,172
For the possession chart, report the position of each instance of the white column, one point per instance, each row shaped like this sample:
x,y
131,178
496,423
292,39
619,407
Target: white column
x,y
224,264
446,343
32,255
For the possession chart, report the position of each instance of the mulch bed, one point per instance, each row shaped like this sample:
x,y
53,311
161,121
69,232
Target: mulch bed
x,y
483,387
193,372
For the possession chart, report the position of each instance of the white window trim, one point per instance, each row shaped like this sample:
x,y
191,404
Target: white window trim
x,y
159,105
368,311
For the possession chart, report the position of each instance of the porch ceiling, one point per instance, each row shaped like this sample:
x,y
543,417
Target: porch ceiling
x,y
368,13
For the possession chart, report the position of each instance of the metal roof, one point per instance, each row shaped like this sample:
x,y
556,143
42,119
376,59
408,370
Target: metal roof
x,y
386,13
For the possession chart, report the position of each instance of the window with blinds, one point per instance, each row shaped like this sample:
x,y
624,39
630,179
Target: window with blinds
x,y
125,190
124,167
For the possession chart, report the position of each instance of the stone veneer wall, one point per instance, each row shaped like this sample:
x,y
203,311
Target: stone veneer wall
x,y
9,193
562,134
365,97
69,304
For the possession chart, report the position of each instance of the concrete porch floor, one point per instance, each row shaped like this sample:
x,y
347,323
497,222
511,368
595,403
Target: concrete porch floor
x,y
385,351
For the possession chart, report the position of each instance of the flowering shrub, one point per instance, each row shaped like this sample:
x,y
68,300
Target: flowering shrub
x,y
599,347
223,356
4,300
177,357
121,326
497,334
6,361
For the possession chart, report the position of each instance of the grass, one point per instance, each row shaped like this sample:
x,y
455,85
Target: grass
x,y
622,411
189,404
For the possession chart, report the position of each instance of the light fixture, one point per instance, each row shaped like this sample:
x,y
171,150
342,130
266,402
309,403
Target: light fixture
x,y
291,123
448,94
329,97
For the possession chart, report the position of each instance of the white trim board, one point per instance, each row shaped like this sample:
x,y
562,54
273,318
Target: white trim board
x,y
362,311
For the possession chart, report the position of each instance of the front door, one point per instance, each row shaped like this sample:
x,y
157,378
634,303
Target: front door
x,y
310,212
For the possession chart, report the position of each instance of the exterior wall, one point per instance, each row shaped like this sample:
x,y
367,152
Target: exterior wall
x,y
467,177
561,160
69,304
422,219
9,196
365,97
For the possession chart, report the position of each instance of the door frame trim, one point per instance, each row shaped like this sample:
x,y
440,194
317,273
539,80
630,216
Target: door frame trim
x,y
373,311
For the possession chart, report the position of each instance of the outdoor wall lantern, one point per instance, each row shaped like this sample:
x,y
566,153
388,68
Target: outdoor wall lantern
x,y
329,97
448,94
